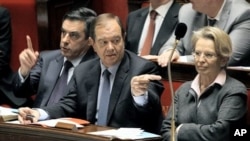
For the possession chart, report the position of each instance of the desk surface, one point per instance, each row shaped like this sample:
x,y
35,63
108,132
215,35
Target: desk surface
x,y
16,132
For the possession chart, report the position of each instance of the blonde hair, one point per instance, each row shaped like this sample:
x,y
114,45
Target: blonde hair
x,y
222,41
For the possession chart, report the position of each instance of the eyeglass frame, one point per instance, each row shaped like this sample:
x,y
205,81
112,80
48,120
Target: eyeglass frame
x,y
206,55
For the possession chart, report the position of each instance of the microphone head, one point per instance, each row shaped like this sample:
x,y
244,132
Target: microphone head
x,y
180,31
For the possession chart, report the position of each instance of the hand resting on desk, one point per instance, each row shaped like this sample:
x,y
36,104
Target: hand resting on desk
x,y
28,115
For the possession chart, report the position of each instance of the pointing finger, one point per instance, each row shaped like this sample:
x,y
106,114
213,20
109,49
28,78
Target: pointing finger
x,y
154,77
29,43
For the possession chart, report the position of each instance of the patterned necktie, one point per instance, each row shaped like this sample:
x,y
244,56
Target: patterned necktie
x,y
104,100
61,84
150,35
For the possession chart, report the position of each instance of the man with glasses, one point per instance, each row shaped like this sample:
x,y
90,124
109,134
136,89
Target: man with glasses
x,y
43,74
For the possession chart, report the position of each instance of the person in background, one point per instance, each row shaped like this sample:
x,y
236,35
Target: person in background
x,y
7,97
42,74
138,24
232,16
136,106
213,105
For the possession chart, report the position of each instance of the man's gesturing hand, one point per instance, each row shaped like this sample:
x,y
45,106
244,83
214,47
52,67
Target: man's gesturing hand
x,y
139,84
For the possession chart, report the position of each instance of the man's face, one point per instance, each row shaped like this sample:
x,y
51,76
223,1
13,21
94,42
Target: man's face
x,y
200,5
73,42
109,42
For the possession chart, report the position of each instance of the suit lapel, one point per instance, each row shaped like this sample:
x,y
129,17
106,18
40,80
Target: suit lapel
x,y
119,81
51,77
92,85
167,28
198,25
137,28
225,12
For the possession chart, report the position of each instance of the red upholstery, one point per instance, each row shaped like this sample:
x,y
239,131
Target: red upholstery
x,y
24,22
145,4
166,96
118,7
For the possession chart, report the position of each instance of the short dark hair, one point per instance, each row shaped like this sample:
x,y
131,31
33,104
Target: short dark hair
x,y
82,14
103,17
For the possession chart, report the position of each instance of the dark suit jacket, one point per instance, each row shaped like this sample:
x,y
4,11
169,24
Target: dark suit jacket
x,y
43,76
81,102
6,75
234,20
135,23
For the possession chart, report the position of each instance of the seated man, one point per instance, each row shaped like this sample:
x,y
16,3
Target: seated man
x,y
232,16
138,25
100,91
43,74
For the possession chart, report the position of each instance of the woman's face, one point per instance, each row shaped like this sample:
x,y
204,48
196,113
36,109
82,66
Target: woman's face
x,y
207,62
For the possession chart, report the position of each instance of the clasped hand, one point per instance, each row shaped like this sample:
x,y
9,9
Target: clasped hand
x,y
28,115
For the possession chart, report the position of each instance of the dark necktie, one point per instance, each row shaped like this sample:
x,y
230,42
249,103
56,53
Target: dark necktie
x,y
104,100
61,84
150,35
211,22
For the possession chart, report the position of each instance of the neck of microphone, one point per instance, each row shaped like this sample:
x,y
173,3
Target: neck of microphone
x,y
180,31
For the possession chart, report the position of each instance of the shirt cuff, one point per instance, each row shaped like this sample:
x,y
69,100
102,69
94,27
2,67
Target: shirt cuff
x,y
43,114
177,130
142,99
21,77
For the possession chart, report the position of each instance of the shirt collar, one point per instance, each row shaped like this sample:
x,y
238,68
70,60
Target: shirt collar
x,y
220,80
163,9
111,69
75,61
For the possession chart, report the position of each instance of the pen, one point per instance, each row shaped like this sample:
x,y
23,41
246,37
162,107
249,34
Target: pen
x,y
28,116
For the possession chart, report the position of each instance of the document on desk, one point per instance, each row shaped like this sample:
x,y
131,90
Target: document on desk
x,y
6,114
54,122
125,133
79,123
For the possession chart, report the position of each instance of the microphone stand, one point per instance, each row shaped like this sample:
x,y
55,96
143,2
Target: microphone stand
x,y
172,135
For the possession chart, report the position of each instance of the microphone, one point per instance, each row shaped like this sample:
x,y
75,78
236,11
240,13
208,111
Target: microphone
x,y
180,31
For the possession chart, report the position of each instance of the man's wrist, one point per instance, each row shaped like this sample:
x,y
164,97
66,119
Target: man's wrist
x,y
43,115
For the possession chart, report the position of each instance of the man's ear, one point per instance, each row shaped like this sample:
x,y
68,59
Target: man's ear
x,y
91,41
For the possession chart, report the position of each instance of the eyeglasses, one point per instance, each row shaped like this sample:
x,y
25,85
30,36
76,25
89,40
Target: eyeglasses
x,y
206,55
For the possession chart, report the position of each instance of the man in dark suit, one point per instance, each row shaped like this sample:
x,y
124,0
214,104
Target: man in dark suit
x,y
232,16
7,97
39,74
135,105
138,22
